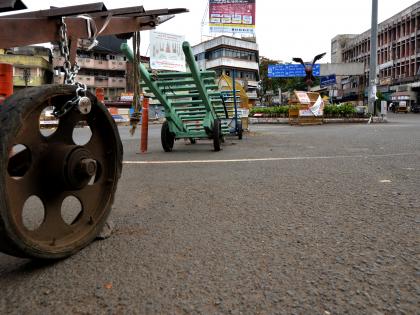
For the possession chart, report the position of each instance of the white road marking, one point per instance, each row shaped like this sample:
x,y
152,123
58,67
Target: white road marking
x,y
296,158
385,181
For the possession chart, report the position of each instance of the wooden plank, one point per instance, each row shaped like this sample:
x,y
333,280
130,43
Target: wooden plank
x,y
133,11
65,11
161,12
47,29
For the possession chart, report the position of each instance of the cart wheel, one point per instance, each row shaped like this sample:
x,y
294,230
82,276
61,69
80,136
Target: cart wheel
x,y
240,131
217,135
167,138
56,192
193,141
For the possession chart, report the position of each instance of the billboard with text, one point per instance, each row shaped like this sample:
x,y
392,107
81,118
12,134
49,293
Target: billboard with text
x,y
232,16
166,52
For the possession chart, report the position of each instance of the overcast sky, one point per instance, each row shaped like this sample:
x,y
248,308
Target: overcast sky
x,y
285,29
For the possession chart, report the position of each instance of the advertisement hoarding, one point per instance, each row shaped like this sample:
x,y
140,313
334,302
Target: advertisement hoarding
x,y
232,16
166,52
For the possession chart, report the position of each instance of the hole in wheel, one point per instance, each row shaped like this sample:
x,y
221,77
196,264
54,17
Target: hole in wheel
x,y
33,213
82,133
19,161
95,178
48,123
71,210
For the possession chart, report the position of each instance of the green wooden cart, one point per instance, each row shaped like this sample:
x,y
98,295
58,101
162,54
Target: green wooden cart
x,y
192,101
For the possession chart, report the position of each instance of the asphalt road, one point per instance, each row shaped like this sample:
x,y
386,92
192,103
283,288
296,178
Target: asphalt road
x,y
290,220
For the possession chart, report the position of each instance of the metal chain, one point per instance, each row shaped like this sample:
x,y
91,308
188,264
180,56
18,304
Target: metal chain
x,y
70,73
137,100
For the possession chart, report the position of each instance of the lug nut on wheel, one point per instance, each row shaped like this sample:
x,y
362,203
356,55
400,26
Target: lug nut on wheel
x,y
88,167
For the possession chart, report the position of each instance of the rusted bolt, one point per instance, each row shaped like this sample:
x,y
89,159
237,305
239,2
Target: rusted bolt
x,y
88,167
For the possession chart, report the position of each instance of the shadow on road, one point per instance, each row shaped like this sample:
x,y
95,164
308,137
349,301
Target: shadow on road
x,y
12,267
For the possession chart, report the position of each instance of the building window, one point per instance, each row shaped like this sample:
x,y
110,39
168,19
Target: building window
x,y
200,56
231,53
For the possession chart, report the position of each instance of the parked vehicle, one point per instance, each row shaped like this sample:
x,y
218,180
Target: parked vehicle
x,y
120,119
415,108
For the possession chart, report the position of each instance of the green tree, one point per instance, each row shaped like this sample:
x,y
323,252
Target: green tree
x,y
268,84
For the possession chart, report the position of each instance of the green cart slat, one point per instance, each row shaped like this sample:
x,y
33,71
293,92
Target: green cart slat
x,y
182,82
176,75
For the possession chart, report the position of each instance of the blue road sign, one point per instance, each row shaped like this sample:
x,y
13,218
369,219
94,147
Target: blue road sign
x,y
291,70
328,80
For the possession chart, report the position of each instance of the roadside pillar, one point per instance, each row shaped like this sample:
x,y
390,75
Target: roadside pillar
x,y
100,95
6,81
373,58
144,125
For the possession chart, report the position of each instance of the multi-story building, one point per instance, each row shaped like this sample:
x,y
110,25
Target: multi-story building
x,y
398,57
32,65
338,44
102,67
224,54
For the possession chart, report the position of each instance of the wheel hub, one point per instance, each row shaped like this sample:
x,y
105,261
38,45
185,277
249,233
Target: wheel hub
x,y
69,167
79,168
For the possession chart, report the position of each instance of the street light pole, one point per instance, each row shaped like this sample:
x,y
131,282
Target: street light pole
x,y
373,57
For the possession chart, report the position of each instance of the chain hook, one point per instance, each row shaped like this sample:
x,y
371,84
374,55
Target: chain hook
x,y
80,100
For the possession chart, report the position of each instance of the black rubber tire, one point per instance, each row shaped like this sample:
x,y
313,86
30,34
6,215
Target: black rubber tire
x,y
12,117
240,130
167,138
193,141
217,135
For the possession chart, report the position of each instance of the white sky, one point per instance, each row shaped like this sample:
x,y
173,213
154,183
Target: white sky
x,y
285,29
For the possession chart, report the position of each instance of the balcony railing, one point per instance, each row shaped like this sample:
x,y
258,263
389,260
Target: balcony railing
x,y
117,82
91,63
32,81
231,62
117,65
89,80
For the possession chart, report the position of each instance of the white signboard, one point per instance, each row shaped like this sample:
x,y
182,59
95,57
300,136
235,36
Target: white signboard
x,y
383,108
318,108
315,110
303,98
166,52
242,112
305,113
372,94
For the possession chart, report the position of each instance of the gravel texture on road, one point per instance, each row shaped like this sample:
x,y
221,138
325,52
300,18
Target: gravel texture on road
x,y
328,225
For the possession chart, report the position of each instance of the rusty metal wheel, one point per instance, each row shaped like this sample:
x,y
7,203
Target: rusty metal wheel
x,y
167,137
217,135
56,187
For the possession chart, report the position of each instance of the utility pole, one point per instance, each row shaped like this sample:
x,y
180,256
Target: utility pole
x,y
373,57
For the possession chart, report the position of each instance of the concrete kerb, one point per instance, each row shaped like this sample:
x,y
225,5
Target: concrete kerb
x,y
255,121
